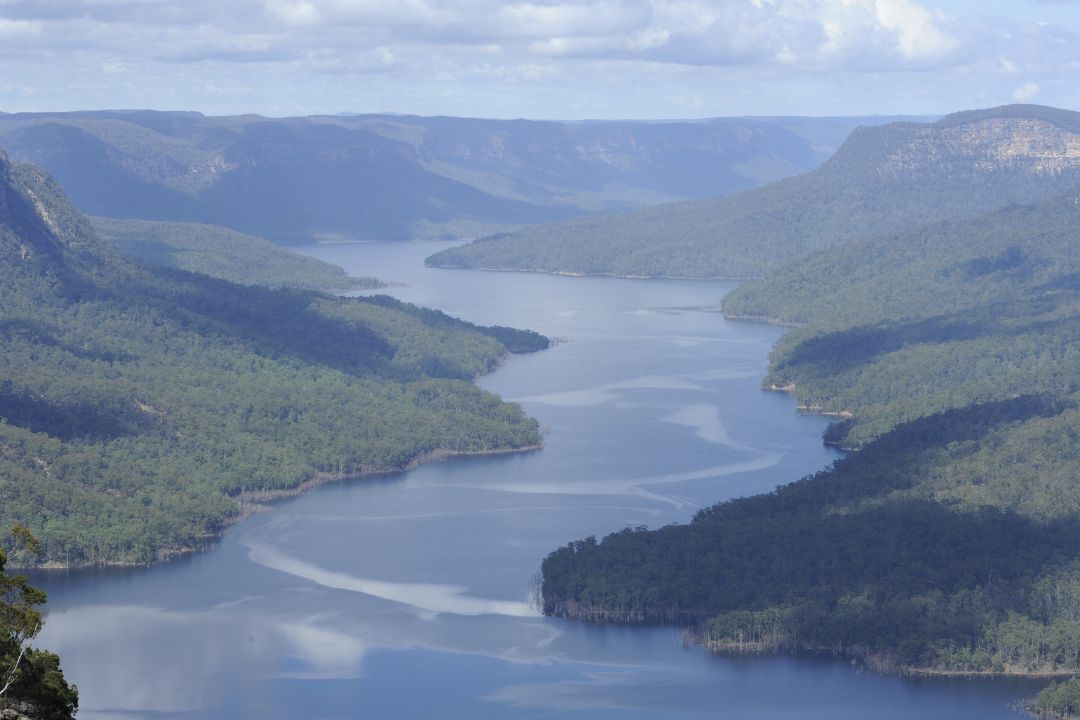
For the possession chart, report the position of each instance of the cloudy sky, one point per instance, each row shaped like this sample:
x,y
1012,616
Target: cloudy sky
x,y
539,58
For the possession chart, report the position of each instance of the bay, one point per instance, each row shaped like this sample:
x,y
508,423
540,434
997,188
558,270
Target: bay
x,y
411,595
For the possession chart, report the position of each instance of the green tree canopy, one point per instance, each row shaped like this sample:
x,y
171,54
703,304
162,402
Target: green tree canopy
x,y
31,681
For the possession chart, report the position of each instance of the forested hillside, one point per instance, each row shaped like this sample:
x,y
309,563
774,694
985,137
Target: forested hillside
x,y
948,542
882,180
224,254
392,177
935,318
140,408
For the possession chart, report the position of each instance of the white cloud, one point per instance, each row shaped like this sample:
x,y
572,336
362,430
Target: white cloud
x,y
649,39
294,13
1026,92
826,34
859,35
350,61
576,51
18,27
918,32
534,20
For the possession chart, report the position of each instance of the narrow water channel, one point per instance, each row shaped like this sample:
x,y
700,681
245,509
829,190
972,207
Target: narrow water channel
x,y
408,596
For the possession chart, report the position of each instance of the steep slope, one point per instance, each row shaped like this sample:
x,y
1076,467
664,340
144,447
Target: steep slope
x,y
141,410
882,179
395,177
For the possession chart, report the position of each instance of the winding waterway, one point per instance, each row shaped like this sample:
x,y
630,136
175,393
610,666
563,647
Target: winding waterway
x,y
408,596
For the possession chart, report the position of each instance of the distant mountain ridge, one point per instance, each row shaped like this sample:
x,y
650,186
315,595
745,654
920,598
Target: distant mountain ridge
x,y
397,177
883,179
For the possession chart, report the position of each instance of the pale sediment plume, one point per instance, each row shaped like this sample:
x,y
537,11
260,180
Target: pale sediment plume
x,y
422,596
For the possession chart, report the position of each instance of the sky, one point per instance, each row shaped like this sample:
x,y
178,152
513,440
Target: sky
x,y
551,59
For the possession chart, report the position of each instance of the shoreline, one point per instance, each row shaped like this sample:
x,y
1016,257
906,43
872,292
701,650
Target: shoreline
x,y
570,273
763,319
881,662
253,502
257,498
803,408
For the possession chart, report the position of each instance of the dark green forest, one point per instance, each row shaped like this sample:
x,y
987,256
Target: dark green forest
x,y
947,541
864,558
1059,701
882,180
141,409
224,254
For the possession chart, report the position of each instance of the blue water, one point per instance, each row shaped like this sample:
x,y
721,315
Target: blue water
x,y
408,596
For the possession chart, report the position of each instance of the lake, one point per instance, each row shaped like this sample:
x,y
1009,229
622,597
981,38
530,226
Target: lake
x,y
410,595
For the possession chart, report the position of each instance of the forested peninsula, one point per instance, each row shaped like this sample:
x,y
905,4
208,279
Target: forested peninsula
x,y
142,408
948,540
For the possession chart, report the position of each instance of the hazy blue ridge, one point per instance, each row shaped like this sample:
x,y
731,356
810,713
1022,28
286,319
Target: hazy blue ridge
x,y
882,179
391,177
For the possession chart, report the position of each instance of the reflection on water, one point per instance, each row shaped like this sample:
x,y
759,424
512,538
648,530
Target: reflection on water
x,y
411,595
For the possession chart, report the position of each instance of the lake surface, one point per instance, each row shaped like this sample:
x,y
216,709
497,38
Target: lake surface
x,y
408,596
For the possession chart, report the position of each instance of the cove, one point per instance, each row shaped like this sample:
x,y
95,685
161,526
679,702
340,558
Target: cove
x,y
409,596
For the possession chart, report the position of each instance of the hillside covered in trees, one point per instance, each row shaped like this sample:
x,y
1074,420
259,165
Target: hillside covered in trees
x,y
141,408
931,319
1059,701
396,177
948,541
224,254
882,180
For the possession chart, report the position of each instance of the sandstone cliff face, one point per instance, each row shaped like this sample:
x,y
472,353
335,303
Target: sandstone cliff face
x,y
1028,146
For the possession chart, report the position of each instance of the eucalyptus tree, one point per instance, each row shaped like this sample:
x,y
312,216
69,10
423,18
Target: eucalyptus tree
x,y
31,681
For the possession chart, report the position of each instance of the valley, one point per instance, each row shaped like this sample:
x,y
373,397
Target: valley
x,y
938,343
